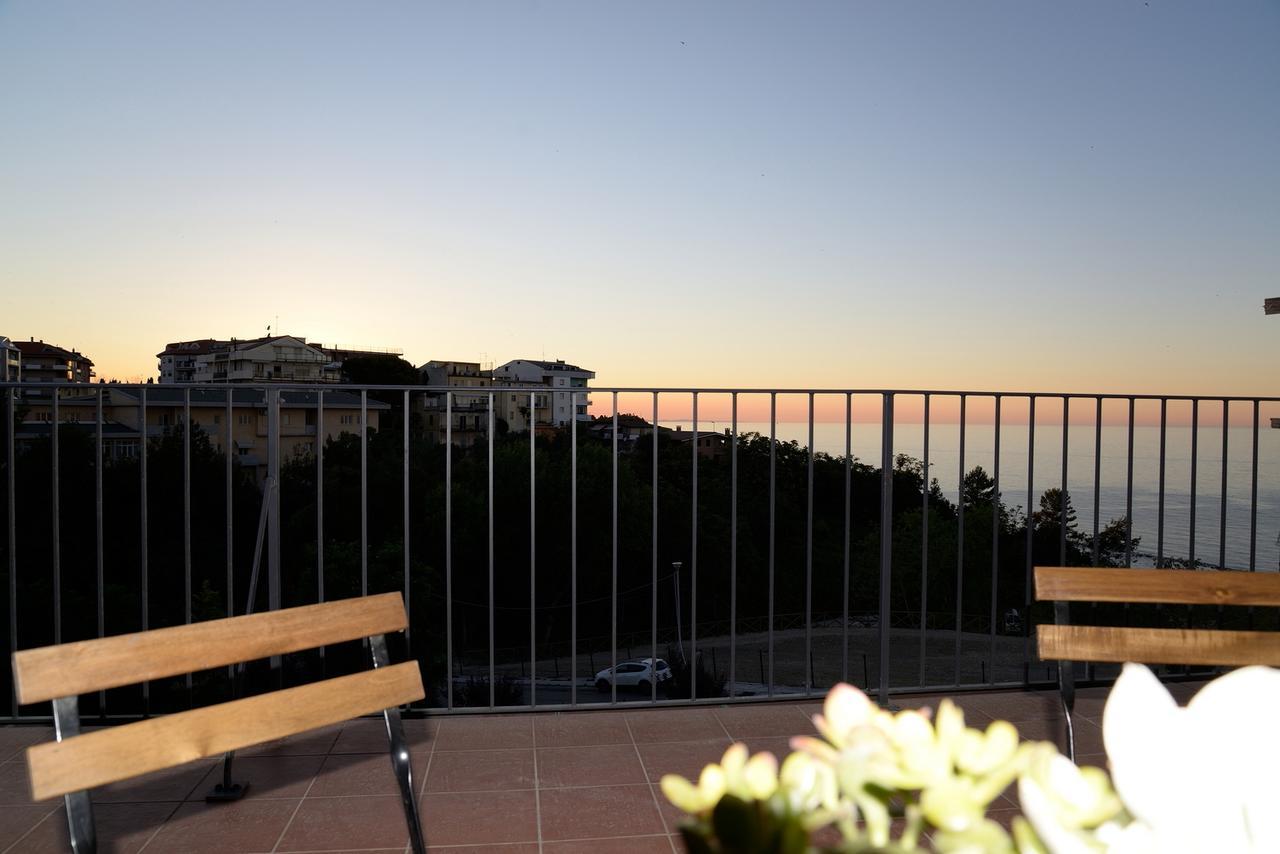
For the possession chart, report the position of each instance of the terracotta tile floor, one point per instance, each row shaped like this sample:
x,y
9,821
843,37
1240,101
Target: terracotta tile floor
x,y
552,782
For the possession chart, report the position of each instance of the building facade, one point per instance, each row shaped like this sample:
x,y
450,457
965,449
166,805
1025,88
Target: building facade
x,y
564,405
10,361
282,358
49,363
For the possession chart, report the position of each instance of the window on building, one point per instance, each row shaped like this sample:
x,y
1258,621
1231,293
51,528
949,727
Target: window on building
x,y
217,419
244,420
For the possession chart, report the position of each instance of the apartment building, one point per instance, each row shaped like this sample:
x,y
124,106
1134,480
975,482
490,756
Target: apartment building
x,y
49,363
468,413
10,361
282,358
564,405
232,418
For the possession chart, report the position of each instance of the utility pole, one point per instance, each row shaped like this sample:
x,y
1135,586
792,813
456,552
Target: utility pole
x,y
675,564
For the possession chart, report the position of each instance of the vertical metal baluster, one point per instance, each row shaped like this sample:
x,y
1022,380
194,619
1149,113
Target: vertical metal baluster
x,y
1097,478
733,550
924,545
100,557
186,520
491,591
848,495
886,542
693,564
144,536
9,429
653,569
55,520
1164,411
1030,529
228,456
274,587
1253,496
960,543
364,492
1222,512
448,543
321,435
995,541
573,552
808,564
1195,459
773,512
1062,503
613,595
408,604
1128,494
533,553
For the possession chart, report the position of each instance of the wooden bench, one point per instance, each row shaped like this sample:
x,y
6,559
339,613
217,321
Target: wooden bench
x,y
76,763
1065,643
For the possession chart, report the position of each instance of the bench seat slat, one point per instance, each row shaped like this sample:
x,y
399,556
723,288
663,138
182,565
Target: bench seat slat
x,y
83,667
119,753
1162,586
1158,646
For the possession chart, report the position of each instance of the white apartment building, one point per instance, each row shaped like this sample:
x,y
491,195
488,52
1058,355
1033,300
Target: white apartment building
x,y
283,358
555,375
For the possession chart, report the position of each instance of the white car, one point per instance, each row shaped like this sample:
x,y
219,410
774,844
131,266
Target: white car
x,y
640,674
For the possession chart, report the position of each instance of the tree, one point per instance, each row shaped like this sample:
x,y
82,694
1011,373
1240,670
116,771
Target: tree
x,y
380,370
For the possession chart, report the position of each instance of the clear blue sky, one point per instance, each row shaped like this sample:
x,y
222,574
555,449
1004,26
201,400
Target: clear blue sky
x,y
1017,195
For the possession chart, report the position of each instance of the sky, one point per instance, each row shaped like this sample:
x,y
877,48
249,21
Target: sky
x,y
1005,196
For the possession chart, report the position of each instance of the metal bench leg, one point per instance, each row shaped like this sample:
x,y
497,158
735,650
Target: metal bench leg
x,y
1066,681
66,724
400,760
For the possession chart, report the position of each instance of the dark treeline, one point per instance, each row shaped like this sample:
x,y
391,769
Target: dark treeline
x,y
507,553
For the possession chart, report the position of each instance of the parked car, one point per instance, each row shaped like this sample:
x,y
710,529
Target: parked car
x,y
640,674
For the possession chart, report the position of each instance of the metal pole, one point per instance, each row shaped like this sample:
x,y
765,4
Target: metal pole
x,y
773,513
924,545
693,563
1253,499
1222,512
100,563
1195,445
848,497
492,675
573,551
808,564
364,493
448,543
143,535
653,557
1026,585
273,517
886,541
613,595
675,565
321,436
9,428
960,543
186,519
533,554
733,550
55,527
995,539
408,604
1128,500
1062,505
1164,408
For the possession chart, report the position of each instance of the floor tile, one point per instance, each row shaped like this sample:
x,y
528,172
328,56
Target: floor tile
x,y
672,815
14,740
246,825
267,776
495,732
172,784
598,765
16,820
686,758
599,812
121,828
336,824
369,735
14,787
360,774
664,725
481,771
774,719
578,729
468,819
659,844
317,741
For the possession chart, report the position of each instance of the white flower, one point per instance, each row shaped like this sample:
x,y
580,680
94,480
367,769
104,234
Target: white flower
x,y
1200,778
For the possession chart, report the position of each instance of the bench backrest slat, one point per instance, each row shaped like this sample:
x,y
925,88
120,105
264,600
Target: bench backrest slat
x,y
1158,646
119,753
1165,586
83,667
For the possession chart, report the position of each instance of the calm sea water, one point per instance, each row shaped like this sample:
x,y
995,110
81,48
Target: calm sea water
x,y
1113,482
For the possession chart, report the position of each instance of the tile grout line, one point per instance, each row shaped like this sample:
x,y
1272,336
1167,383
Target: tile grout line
x,y
537,784
645,772
30,830
288,824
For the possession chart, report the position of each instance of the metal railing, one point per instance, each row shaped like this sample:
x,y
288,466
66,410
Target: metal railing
x,y
529,561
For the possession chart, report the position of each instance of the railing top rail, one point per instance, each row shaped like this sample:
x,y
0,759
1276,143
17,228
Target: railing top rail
x,y
596,389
